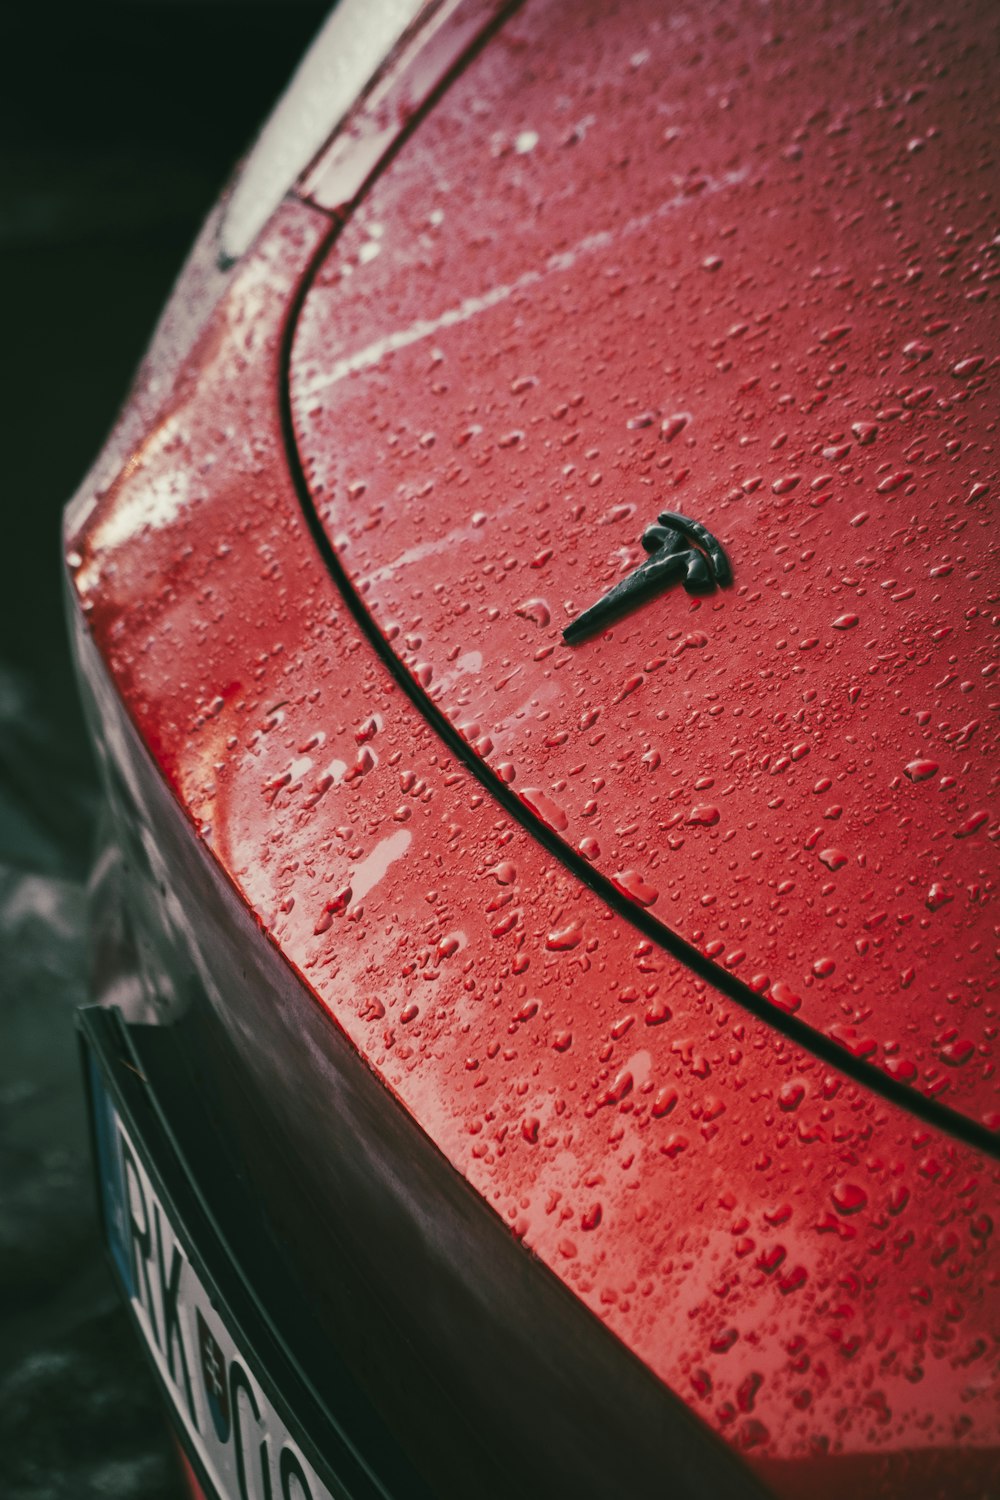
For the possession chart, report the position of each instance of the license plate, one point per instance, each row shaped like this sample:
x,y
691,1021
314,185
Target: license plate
x,y
222,1401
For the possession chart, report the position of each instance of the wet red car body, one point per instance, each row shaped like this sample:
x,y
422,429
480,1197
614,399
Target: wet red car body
x,y
604,1034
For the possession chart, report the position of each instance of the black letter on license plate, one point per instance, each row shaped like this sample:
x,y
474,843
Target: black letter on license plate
x,y
139,1236
169,1288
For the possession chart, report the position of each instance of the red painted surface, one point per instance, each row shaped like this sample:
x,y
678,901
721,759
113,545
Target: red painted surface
x,y
194,1489
813,1271
705,268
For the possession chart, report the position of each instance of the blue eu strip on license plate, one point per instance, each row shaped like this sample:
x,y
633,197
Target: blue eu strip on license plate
x,y
231,1427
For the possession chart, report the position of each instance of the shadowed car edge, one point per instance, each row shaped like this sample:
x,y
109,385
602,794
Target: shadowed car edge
x,y
443,1142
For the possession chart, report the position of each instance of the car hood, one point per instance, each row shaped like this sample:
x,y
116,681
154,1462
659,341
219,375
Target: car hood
x,y
757,303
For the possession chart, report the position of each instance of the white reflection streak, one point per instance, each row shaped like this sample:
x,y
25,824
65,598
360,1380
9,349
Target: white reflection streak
x,y
371,870
425,328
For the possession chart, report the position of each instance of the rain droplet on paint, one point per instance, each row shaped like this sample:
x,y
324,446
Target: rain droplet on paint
x,y
848,1198
546,808
632,884
921,770
834,859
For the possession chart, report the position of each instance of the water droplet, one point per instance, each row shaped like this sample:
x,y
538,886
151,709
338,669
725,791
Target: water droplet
x,y
823,967
564,938
784,997
848,1198
630,685
753,1434
793,1280
546,808
671,427
937,897
333,908
845,622
769,1260
791,1095
899,1197
723,1341
834,859
893,481
920,770
536,610
704,814
617,1090
674,1145
664,1102
632,884
971,825
847,1037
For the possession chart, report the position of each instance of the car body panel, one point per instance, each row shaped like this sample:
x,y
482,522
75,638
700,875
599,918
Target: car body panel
x,y
411,1273
794,1257
753,291
305,773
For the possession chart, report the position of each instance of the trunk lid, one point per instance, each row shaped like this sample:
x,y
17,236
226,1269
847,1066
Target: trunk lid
x,y
629,269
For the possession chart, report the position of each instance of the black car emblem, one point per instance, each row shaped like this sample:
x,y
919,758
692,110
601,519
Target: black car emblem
x,y
678,548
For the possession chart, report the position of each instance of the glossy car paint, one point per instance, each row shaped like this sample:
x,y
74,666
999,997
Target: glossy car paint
x,y
799,1259
794,774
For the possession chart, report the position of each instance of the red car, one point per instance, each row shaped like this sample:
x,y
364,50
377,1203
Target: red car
x,y
537,613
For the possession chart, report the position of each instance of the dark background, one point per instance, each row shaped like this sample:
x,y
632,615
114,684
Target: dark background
x,y
118,125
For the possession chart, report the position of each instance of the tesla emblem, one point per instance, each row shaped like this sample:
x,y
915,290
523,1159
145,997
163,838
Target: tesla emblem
x,y
678,548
